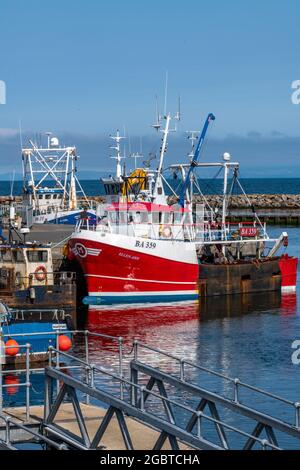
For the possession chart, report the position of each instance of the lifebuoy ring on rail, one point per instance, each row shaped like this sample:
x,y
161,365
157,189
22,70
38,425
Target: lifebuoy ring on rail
x,y
165,231
40,273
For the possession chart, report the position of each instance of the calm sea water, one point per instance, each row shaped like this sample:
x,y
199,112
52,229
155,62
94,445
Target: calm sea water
x,y
248,337
209,186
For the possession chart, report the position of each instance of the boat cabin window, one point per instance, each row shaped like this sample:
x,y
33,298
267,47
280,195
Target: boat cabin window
x,y
139,217
177,217
112,189
40,196
156,217
167,218
112,217
48,196
18,256
122,217
5,255
36,256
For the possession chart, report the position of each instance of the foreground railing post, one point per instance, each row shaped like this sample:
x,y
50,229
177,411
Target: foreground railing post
x,y
199,424
7,431
182,370
142,391
87,368
120,346
236,390
28,384
135,349
133,390
48,387
2,358
57,361
86,345
297,415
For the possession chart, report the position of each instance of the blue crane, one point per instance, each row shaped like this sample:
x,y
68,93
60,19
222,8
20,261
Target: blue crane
x,y
194,161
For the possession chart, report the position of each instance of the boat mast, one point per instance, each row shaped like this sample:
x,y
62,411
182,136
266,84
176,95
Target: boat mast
x,y
50,170
158,192
118,157
73,194
226,158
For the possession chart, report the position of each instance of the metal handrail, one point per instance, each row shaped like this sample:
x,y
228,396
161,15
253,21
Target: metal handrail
x,y
235,381
142,389
28,370
125,383
10,422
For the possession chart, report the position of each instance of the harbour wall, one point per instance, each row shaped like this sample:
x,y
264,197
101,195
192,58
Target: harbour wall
x,y
278,209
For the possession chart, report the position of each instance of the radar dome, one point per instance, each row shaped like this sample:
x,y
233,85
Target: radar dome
x,y
54,142
226,157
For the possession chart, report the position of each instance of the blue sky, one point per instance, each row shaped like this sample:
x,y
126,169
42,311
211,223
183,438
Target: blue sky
x,y
84,68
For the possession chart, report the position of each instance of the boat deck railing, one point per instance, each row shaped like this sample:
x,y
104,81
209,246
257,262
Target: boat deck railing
x,y
202,231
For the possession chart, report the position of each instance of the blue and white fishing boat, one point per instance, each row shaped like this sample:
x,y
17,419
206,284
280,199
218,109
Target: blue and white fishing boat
x,y
37,328
50,183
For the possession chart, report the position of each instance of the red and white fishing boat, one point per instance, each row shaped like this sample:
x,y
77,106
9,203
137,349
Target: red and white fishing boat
x,y
144,250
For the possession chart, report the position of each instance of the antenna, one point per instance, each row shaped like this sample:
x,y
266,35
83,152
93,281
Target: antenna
x,y
166,94
117,138
20,134
178,114
136,155
141,144
158,117
48,134
12,184
192,136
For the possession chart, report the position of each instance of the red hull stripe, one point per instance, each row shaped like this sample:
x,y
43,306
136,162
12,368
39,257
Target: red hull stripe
x,y
141,280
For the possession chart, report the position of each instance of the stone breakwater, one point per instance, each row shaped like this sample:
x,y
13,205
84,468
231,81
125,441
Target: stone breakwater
x,y
259,201
277,209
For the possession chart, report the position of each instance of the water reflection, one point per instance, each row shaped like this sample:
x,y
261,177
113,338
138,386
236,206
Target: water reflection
x,y
212,332
146,322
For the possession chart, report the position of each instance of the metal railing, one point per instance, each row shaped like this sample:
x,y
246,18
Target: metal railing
x,y
49,358
236,383
127,396
134,406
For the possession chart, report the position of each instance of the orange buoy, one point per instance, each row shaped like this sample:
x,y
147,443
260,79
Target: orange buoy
x,y
13,382
11,347
64,343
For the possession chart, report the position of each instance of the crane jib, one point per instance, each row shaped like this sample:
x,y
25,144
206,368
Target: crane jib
x,y
194,162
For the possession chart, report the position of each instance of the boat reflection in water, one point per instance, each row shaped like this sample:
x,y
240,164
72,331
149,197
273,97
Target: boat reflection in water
x,y
239,305
178,328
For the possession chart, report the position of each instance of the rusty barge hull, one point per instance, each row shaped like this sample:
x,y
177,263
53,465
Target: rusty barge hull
x,y
240,278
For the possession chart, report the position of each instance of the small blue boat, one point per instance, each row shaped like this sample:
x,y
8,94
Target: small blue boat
x,y
40,328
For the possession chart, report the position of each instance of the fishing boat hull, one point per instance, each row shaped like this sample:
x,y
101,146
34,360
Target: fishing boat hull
x,y
247,277
63,217
39,328
122,269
